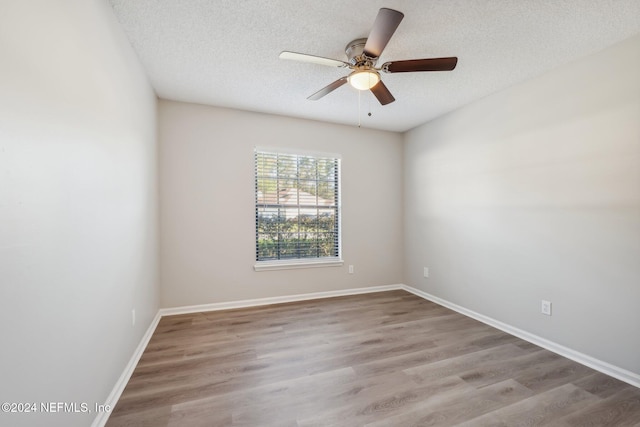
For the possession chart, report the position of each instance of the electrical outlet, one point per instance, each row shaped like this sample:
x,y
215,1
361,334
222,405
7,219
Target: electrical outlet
x,y
545,308
351,269
133,317
426,272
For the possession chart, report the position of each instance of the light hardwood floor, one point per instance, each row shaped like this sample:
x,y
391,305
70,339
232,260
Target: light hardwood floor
x,y
382,359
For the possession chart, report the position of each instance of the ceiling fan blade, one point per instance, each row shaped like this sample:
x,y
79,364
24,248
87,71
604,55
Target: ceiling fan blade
x,y
430,64
382,93
303,57
328,89
383,28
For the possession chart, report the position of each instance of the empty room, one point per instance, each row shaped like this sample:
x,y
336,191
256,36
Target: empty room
x,y
303,213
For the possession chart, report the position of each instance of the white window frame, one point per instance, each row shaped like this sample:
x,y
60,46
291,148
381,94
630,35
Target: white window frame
x,y
298,263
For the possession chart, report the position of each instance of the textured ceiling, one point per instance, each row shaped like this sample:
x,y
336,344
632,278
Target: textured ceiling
x,y
225,52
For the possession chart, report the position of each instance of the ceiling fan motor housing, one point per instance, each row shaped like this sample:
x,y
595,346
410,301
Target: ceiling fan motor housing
x,y
356,56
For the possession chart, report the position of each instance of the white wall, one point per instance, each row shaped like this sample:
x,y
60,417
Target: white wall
x,y
78,205
208,211
534,193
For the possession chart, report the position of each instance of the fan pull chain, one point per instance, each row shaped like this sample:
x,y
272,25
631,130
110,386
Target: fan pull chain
x,y
359,92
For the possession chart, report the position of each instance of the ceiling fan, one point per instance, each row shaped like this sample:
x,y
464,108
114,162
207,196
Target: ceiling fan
x,y
363,55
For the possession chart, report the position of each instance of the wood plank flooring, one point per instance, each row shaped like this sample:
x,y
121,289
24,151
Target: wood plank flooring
x,y
382,359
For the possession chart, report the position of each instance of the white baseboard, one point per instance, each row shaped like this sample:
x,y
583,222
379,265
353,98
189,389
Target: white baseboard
x,y
604,367
112,399
274,300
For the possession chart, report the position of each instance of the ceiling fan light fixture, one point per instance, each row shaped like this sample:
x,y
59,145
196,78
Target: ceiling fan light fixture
x,y
364,79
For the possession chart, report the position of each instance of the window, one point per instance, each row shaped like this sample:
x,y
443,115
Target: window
x,y
297,208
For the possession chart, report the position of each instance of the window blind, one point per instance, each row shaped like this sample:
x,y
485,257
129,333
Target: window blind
x,y
297,206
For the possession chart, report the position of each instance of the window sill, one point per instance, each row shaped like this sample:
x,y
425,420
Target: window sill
x,y
296,264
